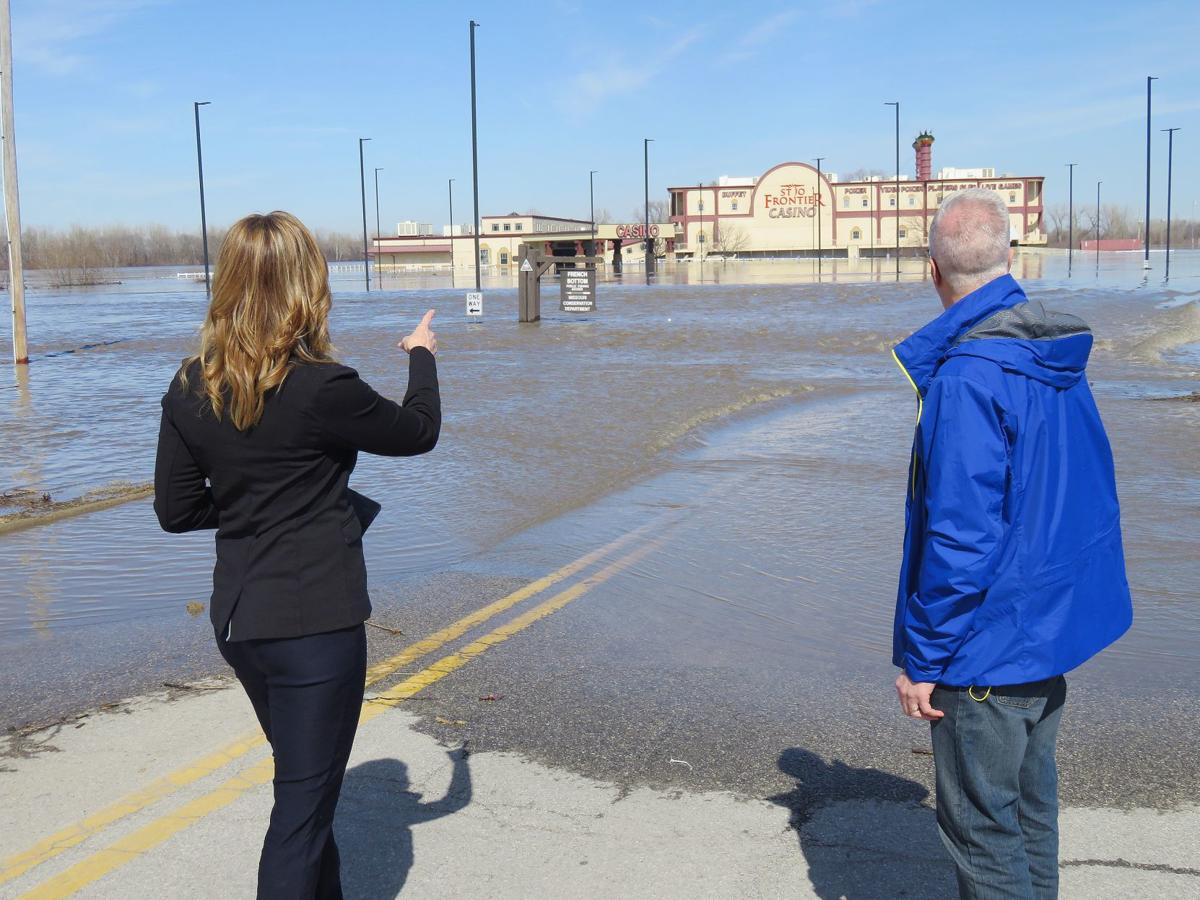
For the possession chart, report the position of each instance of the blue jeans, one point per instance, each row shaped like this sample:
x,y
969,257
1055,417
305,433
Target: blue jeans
x,y
997,787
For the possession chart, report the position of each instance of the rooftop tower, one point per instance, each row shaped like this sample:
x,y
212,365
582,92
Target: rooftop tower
x,y
924,147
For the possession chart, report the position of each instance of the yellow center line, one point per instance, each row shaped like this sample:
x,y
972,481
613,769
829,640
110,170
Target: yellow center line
x,y
414,684
161,829
76,833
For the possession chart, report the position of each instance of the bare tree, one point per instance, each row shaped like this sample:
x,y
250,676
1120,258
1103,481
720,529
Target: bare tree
x,y
660,211
603,217
78,255
730,239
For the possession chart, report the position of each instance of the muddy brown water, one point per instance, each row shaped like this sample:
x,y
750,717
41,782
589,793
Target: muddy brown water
x,y
543,421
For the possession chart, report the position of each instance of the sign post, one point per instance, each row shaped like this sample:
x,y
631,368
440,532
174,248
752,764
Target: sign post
x,y
578,290
475,304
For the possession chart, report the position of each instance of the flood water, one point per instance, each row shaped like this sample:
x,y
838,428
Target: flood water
x,y
780,387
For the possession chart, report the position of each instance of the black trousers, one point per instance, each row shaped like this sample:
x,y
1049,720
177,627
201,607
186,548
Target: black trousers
x,y
307,693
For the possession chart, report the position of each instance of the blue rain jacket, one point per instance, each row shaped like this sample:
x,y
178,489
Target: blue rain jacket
x,y
1013,569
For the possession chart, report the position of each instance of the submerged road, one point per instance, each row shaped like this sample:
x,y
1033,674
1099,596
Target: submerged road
x,y
722,627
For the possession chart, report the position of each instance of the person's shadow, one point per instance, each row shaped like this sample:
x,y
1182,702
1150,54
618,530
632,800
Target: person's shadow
x,y
374,831
865,834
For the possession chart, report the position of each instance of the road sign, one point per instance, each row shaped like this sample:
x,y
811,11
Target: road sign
x,y
475,304
527,266
578,290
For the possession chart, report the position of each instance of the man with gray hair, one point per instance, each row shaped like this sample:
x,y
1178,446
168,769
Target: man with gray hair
x,y
1013,571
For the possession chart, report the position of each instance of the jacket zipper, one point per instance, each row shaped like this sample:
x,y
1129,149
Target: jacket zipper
x,y
915,460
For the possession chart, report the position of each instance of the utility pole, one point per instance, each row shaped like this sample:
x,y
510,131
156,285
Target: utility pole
x,y
362,185
203,219
819,195
1170,149
896,103
1146,257
475,155
1070,215
378,169
12,195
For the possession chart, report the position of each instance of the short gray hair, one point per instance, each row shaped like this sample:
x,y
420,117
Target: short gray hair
x,y
969,239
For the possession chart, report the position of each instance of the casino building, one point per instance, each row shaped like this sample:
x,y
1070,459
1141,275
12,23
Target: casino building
x,y
791,211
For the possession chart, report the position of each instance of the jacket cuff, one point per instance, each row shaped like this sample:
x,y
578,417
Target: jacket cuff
x,y
919,671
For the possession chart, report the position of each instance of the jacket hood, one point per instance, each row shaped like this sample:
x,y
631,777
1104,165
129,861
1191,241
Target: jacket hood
x,y
998,323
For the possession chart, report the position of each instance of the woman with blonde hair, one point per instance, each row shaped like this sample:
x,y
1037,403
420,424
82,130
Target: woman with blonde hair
x,y
260,432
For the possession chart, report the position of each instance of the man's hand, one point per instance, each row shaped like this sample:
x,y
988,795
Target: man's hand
x,y
914,698
422,336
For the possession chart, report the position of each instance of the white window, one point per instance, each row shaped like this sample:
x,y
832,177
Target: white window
x,y
1012,197
735,206
912,201
903,232
507,226
495,227
865,202
484,256
856,234
519,226
891,201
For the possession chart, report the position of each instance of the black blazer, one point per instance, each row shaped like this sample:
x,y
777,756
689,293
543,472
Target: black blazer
x,y
289,536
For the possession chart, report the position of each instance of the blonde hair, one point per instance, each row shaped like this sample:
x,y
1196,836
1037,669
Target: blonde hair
x,y
270,307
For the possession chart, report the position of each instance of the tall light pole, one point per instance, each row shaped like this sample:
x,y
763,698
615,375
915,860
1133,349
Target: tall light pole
x,y
649,240
1070,215
819,195
362,185
196,104
378,169
592,206
12,194
1146,257
896,103
475,155
1170,148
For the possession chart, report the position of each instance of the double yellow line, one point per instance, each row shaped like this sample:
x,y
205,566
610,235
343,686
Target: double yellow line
x,y
138,842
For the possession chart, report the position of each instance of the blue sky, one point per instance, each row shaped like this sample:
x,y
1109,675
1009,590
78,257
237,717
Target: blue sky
x,y
104,91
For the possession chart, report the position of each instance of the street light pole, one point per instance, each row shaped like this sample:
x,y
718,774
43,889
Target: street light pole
x,y
1146,257
475,155
649,240
362,186
896,103
1070,215
378,169
1170,149
592,206
203,220
819,195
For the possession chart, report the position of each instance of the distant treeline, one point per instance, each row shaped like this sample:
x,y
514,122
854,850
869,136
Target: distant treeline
x,y
80,255
1115,222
